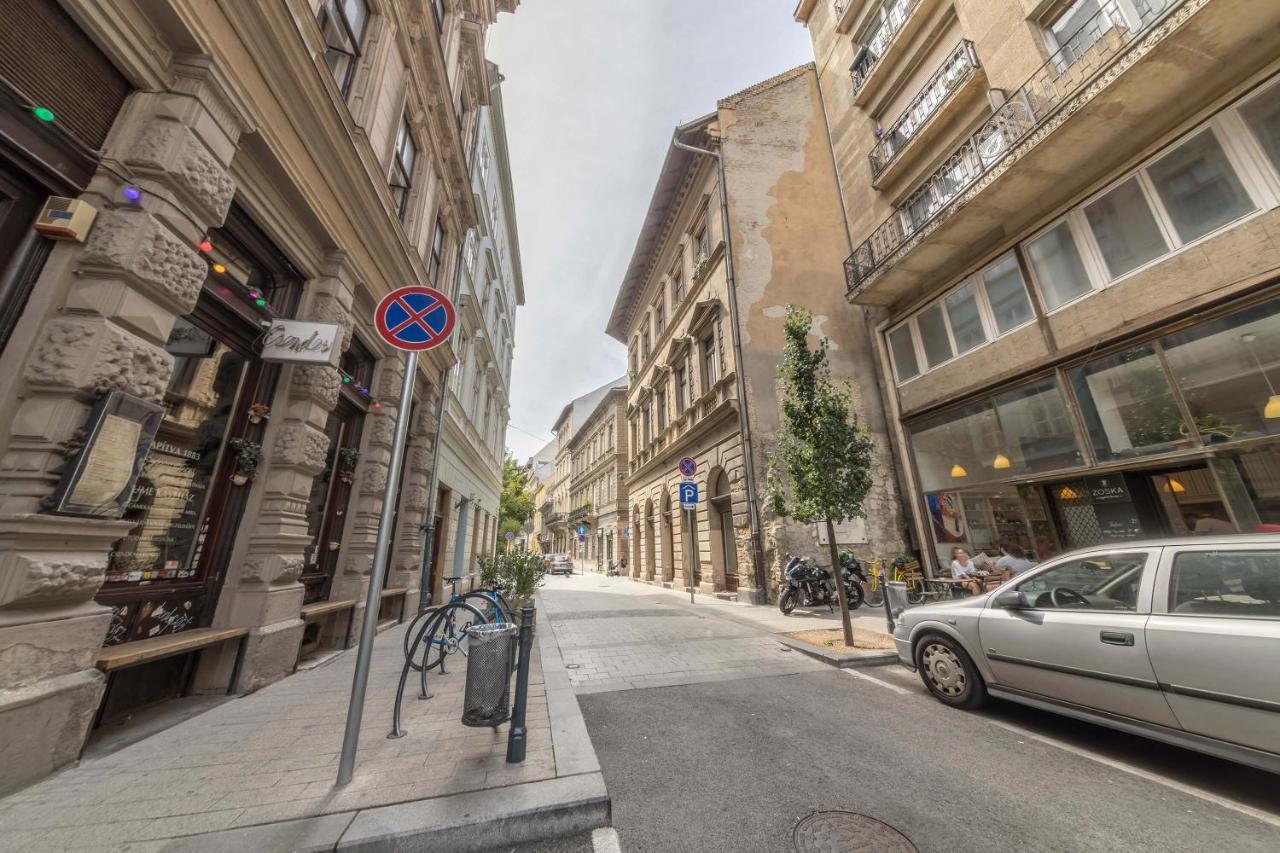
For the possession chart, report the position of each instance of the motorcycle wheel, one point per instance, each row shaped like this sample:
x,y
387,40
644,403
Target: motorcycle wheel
x,y
874,597
853,592
787,601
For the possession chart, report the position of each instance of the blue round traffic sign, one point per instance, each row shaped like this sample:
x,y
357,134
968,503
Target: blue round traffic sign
x,y
415,318
688,466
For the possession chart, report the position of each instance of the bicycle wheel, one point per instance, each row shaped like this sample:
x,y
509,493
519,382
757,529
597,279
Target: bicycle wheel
x,y
450,632
492,604
915,592
875,593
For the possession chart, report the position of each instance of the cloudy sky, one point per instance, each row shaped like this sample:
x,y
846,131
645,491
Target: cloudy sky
x,y
593,89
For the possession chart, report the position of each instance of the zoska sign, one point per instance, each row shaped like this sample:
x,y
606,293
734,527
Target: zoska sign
x,y
305,343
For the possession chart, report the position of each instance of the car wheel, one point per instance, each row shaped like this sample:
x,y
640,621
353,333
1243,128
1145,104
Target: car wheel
x,y
948,672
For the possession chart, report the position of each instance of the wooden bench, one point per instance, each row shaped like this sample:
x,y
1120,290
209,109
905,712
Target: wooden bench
x,y
314,612
403,592
112,659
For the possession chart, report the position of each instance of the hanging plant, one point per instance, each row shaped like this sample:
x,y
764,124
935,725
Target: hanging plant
x,y
248,455
257,412
348,458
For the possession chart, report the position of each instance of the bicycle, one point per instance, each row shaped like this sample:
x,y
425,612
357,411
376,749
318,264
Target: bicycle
x,y
451,632
913,578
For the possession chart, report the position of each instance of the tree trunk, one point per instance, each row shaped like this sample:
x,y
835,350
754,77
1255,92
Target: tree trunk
x,y
839,581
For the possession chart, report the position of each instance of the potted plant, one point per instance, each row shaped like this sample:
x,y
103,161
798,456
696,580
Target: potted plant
x,y
248,455
348,458
258,412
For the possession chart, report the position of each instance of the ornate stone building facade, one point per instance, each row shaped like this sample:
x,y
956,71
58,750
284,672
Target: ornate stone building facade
x,y
704,340
597,484
1063,217
247,161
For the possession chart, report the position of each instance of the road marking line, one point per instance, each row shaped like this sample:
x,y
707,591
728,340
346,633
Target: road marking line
x,y
862,676
1124,767
605,840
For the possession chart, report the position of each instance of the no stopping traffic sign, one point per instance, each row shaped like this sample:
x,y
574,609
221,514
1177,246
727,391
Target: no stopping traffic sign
x,y
415,318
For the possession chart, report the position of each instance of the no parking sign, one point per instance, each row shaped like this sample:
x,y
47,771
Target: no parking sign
x,y
415,318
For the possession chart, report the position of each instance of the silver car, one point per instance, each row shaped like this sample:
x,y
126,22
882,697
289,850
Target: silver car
x,y
560,564
1176,640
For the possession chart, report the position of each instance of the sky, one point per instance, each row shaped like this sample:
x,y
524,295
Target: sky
x,y
592,91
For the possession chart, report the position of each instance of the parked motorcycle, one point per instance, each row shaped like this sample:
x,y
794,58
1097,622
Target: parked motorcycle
x,y
807,584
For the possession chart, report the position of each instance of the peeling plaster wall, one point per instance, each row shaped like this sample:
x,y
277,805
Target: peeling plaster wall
x,y
789,242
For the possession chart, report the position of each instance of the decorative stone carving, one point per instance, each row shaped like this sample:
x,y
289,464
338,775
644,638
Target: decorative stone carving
x,y
170,149
318,383
327,309
204,178
418,459
302,446
382,431
414,498
135,245
375,477
272,568
390,377
132,365
84,354
48,579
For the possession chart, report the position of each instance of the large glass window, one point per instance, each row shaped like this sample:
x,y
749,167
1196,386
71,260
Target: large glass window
x,y
1007,294
957,448
966,321
1199,187
1262,114
903,348
933,334
1036,427
1227,370
1128,406
342,22
1125,228
1058,266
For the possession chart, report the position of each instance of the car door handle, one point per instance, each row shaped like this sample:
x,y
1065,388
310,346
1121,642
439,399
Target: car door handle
x,y
1116,638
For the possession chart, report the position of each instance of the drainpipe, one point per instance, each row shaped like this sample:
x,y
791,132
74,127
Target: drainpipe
x,y
744,420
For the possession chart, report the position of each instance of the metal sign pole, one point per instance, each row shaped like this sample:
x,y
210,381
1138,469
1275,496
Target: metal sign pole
x,y
693,554
369,628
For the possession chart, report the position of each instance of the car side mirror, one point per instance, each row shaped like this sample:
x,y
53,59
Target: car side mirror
x,y
1014,599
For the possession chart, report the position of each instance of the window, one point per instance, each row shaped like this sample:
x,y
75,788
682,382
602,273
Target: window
x,y
402,168
1262,115
677,286
632,355
1101,582
1058,266
702,241
661,403
933,334
1244,584
659,319
1076,28
1125,228
1199,188
342,22
469,251
1007,294
645,346
436,259
1127,405
437,6
966,322
681,375
903,348
710,363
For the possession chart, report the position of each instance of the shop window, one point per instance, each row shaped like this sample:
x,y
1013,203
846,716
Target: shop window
x,y
1262,115
1007,294
1199,187
933,335
1036,427
958,448
1058,267
1103,582
343,23
1128,406
1244,584
402,168
903,349
1227,370
966,321
1125,228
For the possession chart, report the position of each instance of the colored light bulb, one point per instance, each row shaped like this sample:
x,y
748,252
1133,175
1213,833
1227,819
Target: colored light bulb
x,y
43,113
133,194
260,302
205,245
219,268
346,380
377,405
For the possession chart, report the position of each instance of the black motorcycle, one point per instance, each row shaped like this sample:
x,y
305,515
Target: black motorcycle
x,y
807,584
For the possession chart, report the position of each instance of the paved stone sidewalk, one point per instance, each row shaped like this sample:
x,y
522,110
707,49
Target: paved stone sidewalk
x,y
272,756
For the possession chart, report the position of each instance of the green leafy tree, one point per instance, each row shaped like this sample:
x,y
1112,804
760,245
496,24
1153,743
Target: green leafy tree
x,y
821,471
516,504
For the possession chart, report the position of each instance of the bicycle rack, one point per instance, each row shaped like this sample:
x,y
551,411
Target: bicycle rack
x,y
432,620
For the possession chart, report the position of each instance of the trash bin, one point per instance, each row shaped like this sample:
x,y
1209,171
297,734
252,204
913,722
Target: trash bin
x,y
490,655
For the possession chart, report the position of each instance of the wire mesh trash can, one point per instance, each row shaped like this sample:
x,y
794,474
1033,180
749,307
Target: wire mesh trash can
x,y
490,657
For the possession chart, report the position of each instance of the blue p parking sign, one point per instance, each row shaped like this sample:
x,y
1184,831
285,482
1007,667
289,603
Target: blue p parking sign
x,y
688,495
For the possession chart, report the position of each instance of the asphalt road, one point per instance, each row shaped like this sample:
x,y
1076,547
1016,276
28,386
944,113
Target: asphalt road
x,y
731,762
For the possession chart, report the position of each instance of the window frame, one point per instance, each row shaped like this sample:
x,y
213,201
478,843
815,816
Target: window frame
x,y
356,42
1151,566
404,134
1163,605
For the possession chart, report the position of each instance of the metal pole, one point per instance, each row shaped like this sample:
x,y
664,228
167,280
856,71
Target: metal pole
x,y
369,628
517,737
693,554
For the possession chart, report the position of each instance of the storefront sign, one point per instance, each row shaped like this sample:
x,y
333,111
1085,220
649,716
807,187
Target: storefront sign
x,y
1108,490
304,343
101,479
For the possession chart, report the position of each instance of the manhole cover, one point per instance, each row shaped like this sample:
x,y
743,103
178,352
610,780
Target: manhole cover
x,y
847,832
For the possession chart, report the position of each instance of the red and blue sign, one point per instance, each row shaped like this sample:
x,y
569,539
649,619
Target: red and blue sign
x,y
415,318
688,466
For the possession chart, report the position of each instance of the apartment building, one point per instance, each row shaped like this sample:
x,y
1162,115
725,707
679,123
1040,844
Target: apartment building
x,y
542,469
490,287
701,313
568,536
1065,216
247,162
597,484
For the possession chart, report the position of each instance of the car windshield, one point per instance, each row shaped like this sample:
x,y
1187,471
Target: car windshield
x,y
1109,581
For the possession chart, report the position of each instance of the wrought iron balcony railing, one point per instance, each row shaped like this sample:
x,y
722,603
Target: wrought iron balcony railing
x,y
1103,38
554,518
580,512
955,69
889,18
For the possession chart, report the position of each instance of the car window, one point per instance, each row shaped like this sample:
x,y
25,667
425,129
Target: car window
x,y
1100,582
1226,583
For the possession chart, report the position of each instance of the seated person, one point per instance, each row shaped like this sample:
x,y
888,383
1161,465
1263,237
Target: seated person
x,y
963,568
1012,562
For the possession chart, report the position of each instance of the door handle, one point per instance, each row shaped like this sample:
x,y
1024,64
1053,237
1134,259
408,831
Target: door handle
x,y
1116,638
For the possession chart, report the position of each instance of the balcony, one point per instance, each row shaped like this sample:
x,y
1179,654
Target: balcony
x,y
939,98
884,42
1113,89
553,518
581,512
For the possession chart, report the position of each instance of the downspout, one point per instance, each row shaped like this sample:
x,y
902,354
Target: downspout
x,y
744,420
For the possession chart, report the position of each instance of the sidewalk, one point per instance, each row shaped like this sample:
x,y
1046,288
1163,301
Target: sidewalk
x,y
257,773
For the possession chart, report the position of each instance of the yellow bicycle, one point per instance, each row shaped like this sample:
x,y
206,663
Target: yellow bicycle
x,y
908,572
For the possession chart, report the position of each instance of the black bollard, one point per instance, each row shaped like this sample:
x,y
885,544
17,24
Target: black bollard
x,y
517,736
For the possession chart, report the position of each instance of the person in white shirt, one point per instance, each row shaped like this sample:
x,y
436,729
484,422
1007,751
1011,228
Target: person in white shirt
x,y
1011,560
963,568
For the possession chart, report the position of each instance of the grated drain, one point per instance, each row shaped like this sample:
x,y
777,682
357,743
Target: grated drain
x,y
848,832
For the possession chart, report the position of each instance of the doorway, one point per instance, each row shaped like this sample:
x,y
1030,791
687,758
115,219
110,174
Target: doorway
x,y
724,546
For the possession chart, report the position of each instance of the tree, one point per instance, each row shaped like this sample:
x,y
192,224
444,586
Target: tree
x,y
821,471
515,507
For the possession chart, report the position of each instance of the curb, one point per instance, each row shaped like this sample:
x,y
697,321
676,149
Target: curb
x,y
841,660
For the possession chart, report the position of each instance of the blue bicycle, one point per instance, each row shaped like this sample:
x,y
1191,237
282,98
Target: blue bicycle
x,y
451,632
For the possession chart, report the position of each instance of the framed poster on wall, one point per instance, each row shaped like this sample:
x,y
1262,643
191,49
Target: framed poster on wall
x,y
100,478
